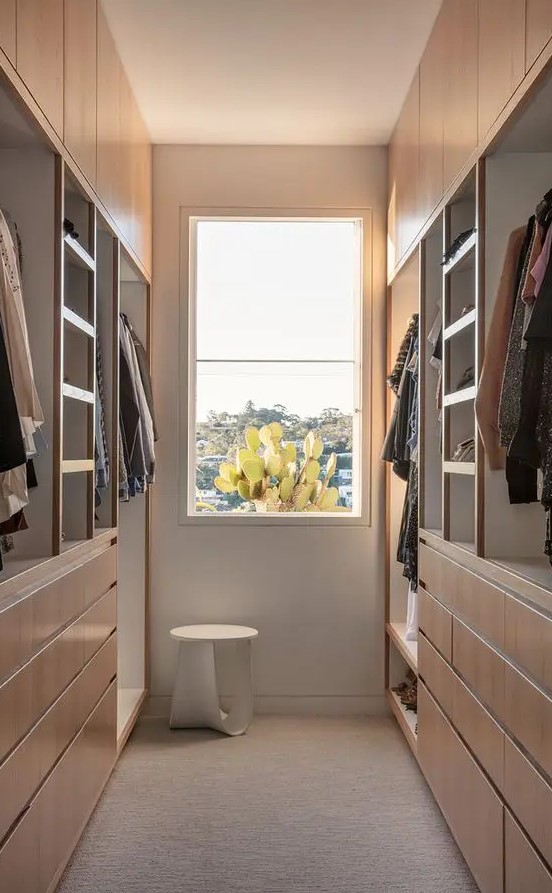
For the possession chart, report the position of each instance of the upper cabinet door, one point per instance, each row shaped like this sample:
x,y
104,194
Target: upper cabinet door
x,y
432,112
539,28
404,173
80,84
501,56
460,123
7,28
108,119
40,55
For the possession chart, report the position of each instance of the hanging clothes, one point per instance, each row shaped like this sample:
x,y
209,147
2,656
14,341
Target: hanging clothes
x,y
13,482
137,432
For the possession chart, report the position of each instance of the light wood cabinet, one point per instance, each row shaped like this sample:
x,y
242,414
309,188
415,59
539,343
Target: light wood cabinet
x,y
108,119
40,49
80,79
501,56
529,797
432,113
460,77
524,869
436,622
539,29
467,800
405,171
8,17
479,665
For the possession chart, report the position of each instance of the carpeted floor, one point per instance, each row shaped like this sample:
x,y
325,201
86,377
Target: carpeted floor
x,y
298,805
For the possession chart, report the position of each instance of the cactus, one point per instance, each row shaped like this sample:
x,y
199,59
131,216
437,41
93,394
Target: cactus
x,y
268,473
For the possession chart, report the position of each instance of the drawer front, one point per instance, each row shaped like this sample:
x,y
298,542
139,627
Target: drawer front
x,y
27,766
436,674
471,807
27,625
528,715
524,869
480,732
479,665
529,797
436,622
466,594
528,640
101,620
39,846
29,693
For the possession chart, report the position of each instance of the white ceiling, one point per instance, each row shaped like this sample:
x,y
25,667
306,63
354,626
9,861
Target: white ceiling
x,y
311,72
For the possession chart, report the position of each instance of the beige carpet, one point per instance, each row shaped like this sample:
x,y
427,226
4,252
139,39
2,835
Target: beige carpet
x,y
296,806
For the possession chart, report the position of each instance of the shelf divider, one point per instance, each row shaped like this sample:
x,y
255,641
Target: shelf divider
x,y
72,466
459,468
77,322
78,255
75,393
456,327
462,255
462,396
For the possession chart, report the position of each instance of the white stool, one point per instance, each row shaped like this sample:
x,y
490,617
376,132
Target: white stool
x,y
195,700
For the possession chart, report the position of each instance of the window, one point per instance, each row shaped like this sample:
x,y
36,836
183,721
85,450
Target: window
x,y
274,348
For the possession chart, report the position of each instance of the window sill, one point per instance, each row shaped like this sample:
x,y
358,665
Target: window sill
x,y
287,519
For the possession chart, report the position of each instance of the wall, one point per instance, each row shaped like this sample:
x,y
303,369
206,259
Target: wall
x,y
315,594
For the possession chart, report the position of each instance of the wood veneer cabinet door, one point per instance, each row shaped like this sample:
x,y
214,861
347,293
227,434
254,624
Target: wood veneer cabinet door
x,y
80,84
539,28
40,55
108,119
408,172
460,121
7,28
524,869
501,56
432,114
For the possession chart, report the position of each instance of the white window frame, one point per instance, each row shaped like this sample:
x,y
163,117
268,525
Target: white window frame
x,y
362,421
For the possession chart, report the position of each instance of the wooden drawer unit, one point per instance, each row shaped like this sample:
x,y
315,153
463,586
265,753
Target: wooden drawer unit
x,y
101,620
469,596
479,730
479,665
27,766
529,797
524,869
436,674
26,625
528,715
467,800
36,851
436,622
26,695
528,640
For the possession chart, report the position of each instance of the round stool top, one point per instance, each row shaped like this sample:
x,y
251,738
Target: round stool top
x,y
213,632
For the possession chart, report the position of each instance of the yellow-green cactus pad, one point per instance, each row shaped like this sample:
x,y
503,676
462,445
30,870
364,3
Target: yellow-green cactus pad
x,y
252,438
253,469
223,485
312,471
317,448
244,490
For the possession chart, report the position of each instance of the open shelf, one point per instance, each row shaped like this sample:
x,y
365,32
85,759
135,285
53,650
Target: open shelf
x,y
464,259
462,396
456,327
407,649
75,393
77,323
407,719
459,468
77,255
73,466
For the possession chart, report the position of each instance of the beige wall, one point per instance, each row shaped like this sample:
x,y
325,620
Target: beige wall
x,y
315,594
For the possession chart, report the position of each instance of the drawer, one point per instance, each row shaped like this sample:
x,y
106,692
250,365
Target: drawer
x,y
528,715
42,841
436,622
524,869
481,667
466,594
29,692
101,620
28,624
27,766
436,674
479,730
528,640
529,797
472,809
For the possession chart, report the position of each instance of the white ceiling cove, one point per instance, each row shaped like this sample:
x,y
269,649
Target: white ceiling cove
x,y
296,72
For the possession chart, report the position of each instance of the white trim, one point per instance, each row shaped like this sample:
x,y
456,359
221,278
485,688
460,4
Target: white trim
x,y
291,705
188,370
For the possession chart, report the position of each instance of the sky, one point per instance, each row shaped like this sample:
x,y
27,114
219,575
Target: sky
x,y
276,291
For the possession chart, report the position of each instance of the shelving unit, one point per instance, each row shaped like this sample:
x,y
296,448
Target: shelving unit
x,y
409,650
406,718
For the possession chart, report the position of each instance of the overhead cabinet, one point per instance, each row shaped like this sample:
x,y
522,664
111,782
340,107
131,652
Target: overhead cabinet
x,y
40,52
539,29
80,78
460,122
432,115
501,56
8,17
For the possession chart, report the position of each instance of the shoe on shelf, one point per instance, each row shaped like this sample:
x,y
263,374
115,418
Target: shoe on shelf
x,y
465,451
